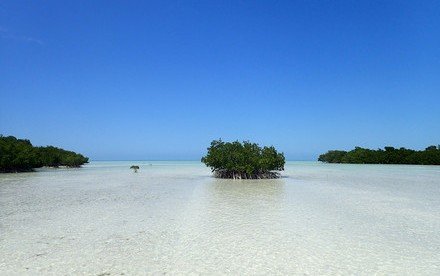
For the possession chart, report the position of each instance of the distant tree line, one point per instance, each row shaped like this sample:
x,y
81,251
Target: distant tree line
x,y
388,155
19,155
243,160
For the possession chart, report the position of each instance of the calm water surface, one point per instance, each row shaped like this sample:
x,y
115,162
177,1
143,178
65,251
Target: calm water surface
x,y
174,218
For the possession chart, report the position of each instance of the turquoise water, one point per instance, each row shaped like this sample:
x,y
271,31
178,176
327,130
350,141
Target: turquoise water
x,y
173,217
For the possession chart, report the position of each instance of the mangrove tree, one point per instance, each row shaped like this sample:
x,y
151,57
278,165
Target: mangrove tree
x,y
243,160
388,155
19,155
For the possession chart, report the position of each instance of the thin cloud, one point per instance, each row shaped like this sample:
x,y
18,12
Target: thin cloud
x,y
6,34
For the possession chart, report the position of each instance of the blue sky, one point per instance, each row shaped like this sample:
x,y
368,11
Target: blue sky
x,y
160,80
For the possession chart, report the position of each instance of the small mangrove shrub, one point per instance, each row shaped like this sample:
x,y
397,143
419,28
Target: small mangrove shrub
x,y
243,160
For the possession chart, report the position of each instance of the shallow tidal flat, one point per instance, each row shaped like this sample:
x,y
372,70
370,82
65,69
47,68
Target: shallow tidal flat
x,y
174,218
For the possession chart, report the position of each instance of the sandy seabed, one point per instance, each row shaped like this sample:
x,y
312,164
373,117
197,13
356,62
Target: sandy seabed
x,y
174,218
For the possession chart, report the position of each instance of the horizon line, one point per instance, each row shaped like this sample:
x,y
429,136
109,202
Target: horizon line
x,y
181,160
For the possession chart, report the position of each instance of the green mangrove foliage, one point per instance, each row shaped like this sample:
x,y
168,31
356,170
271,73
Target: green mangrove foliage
x,y
18,155
388,155
243,160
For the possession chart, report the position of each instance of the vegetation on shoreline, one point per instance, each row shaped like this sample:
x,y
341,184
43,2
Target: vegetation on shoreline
x,y
19,155
388,155
243,160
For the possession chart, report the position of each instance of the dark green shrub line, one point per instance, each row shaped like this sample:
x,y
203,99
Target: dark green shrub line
x,y
243,160
18,155
389,155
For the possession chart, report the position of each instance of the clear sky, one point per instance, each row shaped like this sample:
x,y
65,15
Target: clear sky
x,y
159,80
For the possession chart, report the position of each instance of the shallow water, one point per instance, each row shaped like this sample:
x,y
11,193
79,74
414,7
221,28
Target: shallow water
x,y
172,217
